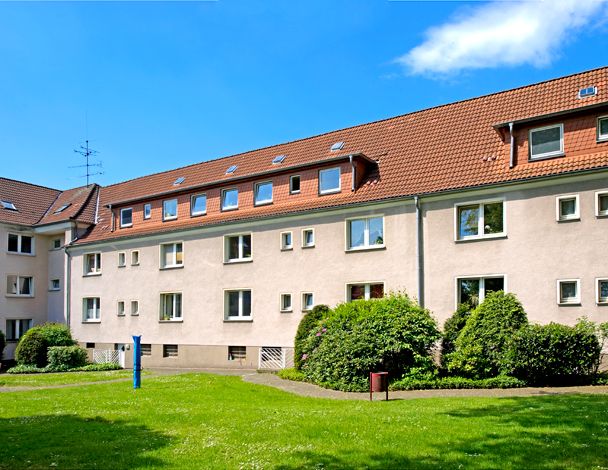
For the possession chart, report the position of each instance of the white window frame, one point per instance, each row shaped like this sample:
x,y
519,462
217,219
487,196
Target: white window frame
x,y
133,312
52,288
598,301
240,317
264,202
18,332
283,309
147,211
555,153
481,220
285,247
367,284
135,254
171,217
303,300
598,194
601,137
97,265
20,244
314,240
558,212
97,310
223,198
482,288
18,278
333,190
118,308
240,259
122,211
122,259
291,190
197,213
160,307
56,241
174,264
366,246
577,299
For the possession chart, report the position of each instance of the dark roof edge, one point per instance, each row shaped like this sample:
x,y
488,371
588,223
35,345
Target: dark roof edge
x,y
540,117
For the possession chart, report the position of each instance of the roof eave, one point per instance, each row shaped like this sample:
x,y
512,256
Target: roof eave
x,y
541,117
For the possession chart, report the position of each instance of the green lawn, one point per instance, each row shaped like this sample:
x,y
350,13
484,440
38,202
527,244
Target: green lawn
x,y
207,421
38,380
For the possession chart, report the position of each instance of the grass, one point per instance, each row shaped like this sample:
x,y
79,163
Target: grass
x,y
60,378
208,421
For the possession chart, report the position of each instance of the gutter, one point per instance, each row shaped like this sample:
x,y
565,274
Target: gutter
x,y
512,152
542,117
419,251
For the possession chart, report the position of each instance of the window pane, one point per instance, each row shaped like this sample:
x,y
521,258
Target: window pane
x,y
170,209
11,330
603,203
468,291
376,291
286,239
26,244
233,304
376,231
168,251
147,211
246,246
11,284
286,302
126,217
329,180
468,221
230,199
492,216
494,284
179,254
357,292
309,238
246,303
603,288
13,242
568,291
357,233
199,204
294,182
25,285
567,207
604,127
233,247
546,141
263,193
177,310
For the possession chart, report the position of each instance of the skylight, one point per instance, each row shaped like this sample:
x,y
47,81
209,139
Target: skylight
x,y
179,181
8,205
62,208
337,146
589,91
278,159
231,169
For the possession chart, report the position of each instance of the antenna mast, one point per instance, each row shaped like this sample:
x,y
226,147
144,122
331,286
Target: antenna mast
x,y
87,153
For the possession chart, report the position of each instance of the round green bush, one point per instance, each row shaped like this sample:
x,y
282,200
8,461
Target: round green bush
x,y
482,343
32,348
66,357
554,354
393,334
57,334
308,322
452,328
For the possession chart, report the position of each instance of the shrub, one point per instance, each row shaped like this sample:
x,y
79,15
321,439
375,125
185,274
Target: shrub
x,y
412,383
33,345
452,328
25,369
57,334
102,366
393,334
2,344
308,322
61,357
554,354
482,343
292,374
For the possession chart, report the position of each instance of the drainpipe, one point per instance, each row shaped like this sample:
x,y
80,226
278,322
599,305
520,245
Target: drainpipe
x,y
112,219
512,154
68,275
419,251
352,164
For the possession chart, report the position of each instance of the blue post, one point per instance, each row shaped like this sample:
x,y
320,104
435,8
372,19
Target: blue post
x,y
136,361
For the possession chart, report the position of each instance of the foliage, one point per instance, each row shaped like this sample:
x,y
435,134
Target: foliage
x,y
482,343
2,344
292,374
25,369
98,367
393,334
413,383
66,356
554,354
308,322
30,369
33,345
452,328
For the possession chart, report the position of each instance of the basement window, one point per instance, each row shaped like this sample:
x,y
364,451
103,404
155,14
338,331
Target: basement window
x,y
237,353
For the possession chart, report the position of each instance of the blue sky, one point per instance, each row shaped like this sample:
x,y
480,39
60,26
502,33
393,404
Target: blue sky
x,y
157,85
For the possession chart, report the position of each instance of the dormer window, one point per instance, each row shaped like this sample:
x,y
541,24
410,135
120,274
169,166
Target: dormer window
x,y
329,181
126,217
547,142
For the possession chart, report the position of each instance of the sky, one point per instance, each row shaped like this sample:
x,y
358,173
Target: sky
x,y
159,85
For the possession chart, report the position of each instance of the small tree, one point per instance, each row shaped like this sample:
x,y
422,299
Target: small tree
x,y
452,328
308,322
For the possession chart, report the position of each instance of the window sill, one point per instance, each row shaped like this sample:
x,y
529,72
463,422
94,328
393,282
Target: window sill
x,y
572,219
602,304
546,157
228,209
602,139
169,268
120,314
570,304
170,321
365,248
239,261
91,275
332,191
496,236
122,266
198,214
169,219
287,248
18,296
238,320
134,264
54,290
263,203
126,226
91,321
304,247
19,254
287,311
292,193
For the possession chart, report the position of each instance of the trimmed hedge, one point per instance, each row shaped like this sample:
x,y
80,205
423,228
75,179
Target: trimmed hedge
x,y
25,369
412,383
554,354
33,345
66,356
309,322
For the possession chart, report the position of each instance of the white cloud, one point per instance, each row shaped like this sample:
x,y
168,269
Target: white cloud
x,y
501,33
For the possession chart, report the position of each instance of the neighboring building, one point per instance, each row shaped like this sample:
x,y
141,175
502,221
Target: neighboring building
x,y
215,263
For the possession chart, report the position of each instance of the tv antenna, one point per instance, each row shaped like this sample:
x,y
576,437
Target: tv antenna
x,y
87,153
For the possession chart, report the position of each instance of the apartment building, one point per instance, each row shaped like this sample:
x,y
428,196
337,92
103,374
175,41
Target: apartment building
x,y
214,264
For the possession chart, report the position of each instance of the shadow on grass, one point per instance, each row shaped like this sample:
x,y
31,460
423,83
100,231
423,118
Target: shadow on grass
x,y
67,441
553,432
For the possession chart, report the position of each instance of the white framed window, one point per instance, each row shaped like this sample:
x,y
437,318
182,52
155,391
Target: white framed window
x,y
567,208
294,184
601,204
170,350
308,301
473,289
237,248
601,291
19,286
122,259
286,241
135,258
602,128
364,291
329,181
545,142
120,308
147,211
126,217
365,233
91,309
55,285
198,204
482,219
134,307
237,353
230,199
92,264
262,193
308,238
237,304
171,306
21,244
170,209
285,303
16,328
171,255
569,291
